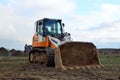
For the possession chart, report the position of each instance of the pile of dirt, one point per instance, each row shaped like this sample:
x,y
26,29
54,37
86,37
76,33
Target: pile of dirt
x,y
110,51
4,52
12,52
116,51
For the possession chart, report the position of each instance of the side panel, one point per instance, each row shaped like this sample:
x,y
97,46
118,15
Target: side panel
x,y
37,43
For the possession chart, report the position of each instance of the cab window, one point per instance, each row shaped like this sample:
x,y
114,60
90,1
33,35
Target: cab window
x,y
39,28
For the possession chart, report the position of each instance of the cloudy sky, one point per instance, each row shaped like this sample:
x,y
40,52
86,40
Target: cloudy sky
x,y
96,21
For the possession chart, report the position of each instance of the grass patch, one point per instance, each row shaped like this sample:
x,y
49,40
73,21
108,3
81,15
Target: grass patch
x,y
110,60
13,58
17,62
12,62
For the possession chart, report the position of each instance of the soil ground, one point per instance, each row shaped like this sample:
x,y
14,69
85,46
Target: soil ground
x,y
18,68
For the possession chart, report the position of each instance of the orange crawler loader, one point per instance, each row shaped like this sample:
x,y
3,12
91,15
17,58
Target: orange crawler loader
x,y
52,46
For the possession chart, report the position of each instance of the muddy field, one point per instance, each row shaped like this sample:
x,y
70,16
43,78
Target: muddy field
x,y
18,68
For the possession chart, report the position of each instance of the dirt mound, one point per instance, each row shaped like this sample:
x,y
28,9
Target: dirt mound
x,y
4,52
106,51
116,52
109,51
79,54
14,52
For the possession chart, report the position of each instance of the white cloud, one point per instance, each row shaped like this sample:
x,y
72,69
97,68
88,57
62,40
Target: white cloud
x,y
12,25
97,26
108,12
110,9
110,33
105,33
43,8
105,13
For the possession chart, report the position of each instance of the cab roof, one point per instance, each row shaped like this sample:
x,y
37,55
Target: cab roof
x,y
45,19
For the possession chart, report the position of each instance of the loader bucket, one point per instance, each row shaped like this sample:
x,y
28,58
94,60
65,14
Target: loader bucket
x,y
77,55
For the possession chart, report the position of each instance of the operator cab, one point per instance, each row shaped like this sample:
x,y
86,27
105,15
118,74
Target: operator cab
x,y
51,27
